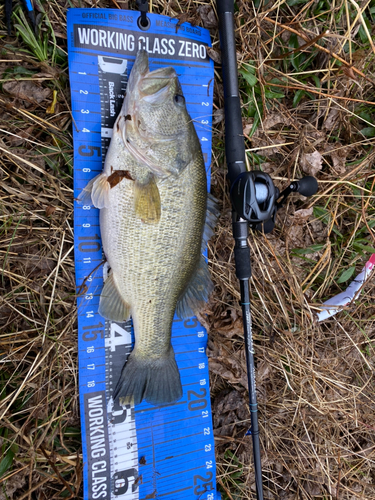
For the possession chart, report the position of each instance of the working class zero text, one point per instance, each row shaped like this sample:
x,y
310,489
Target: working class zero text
x,y
129,42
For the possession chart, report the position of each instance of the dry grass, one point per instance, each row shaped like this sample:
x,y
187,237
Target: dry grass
x,y
308,107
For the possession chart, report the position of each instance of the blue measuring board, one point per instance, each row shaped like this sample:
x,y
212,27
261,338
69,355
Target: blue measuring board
x,y
144,451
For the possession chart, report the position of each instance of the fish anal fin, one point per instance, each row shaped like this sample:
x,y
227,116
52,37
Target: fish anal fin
x,y
147,201
111,304
196,292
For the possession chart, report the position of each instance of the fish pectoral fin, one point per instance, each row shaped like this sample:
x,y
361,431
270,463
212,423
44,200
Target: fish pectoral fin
x,y
196,292
100,192
111,304
96,192
147,201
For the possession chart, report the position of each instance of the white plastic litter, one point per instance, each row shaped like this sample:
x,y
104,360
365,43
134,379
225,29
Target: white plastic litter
x,y
336,303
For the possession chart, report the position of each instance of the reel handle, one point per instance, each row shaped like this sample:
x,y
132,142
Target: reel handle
x,y
254,197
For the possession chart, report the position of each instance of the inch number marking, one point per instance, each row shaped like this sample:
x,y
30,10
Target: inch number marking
x,y
121,481
90,151
89,245
91,333
207,485
200,403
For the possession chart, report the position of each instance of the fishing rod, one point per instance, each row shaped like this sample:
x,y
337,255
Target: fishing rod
x,y
255,202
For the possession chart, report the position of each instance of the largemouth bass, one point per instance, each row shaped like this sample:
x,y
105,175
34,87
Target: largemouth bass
x,y
155,219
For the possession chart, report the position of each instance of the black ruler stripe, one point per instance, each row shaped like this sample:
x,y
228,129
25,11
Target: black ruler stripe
x,y
175,473
160,434
80,225
91,132
97,382
89,93
173,415
142,411
172,412
173,440
185,470
91,113
74,81
154,426
81,62
85,367
174,492
87,122
169,493
180,455
96,349
203,66
93,278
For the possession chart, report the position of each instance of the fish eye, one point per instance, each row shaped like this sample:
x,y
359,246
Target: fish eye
x,y
179,99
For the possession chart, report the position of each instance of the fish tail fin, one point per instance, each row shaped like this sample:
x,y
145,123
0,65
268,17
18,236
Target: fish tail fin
x,y
156,380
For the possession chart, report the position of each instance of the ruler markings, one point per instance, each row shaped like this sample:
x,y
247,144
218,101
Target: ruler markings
x,y
88,312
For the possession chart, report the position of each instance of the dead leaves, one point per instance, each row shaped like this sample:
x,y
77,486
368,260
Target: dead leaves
x,y
207,15
311,163
230,410
28,91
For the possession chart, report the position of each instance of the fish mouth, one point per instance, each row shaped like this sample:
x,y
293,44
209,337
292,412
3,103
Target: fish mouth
x,y
148,82
139,70
153,88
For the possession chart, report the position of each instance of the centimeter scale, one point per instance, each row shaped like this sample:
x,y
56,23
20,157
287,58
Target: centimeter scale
x,y
146,451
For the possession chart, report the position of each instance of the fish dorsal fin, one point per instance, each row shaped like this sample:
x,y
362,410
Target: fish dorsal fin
x,y
196,292
111,305
147,201
96,192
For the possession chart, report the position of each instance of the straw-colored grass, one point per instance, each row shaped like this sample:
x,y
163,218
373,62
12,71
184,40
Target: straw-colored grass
x,y
307,80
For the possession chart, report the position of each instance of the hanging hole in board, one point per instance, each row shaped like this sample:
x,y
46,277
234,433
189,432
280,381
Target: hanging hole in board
x,y
144,23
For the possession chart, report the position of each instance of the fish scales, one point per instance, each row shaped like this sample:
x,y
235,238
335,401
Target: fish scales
x,y
153,204
152,263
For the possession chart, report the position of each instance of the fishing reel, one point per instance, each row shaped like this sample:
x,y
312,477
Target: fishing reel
x,y
255,197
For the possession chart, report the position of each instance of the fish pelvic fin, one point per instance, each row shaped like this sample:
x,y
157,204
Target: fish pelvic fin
x,y
155,380
96,192
111,304
196,292
147,202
